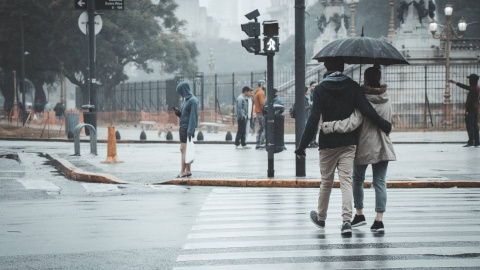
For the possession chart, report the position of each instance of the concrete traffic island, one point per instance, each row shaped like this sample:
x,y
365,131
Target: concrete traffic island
x,y
76,174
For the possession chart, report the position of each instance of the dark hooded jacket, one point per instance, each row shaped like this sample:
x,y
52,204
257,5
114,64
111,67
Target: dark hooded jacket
x,y
473,93
335,98
189,108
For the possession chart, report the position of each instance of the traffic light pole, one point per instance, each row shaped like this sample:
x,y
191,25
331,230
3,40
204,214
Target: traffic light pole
x,y
299,81
270,116
91,56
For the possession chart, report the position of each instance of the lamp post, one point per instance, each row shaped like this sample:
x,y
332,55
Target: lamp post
x,y
352,4
211,60
447,33
391,30
22,69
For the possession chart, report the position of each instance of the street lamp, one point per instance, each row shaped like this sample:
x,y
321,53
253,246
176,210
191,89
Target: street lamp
x,y
352,4
447,33
22,70
391,30
211,60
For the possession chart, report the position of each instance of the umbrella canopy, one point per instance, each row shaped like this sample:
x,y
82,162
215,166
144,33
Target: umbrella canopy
x,y
362,50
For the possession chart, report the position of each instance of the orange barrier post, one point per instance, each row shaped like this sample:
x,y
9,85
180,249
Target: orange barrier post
x,y
112,147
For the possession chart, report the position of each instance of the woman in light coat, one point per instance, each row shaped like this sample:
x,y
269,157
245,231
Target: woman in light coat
x,y
374,147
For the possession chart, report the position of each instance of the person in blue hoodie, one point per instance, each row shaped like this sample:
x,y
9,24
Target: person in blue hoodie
x,y
188,114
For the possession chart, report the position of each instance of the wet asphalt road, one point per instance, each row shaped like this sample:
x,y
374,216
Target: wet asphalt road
x,y
50,222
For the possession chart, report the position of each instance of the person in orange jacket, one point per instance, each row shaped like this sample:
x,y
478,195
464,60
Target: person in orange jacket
x,y
259,101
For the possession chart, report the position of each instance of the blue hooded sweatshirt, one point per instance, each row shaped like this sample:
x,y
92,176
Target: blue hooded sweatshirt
x,y
189,108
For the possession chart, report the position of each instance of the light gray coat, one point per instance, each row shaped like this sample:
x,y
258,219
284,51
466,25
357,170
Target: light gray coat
x,y
373,144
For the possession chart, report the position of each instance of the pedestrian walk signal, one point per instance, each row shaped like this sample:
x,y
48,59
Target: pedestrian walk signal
x,y
270,44
270,28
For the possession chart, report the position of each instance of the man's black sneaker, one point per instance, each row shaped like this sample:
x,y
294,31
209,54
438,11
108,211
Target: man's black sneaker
x,y
314,218
468,145
477,144
377,226
359,220
346,227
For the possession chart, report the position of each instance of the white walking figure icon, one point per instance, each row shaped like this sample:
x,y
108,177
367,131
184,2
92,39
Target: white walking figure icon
x,y
271,45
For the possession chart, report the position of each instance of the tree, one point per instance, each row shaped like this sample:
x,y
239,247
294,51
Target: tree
x,y
141,34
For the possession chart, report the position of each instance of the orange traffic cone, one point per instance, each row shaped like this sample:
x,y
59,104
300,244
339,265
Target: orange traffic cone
x,y
112,147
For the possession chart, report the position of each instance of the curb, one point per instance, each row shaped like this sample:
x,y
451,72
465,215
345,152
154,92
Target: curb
x,y
73,173
76,174
301,183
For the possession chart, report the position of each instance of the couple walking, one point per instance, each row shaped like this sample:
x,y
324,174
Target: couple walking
x,y
354,134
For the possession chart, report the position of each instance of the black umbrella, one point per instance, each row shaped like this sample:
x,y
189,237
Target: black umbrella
x,y
362,50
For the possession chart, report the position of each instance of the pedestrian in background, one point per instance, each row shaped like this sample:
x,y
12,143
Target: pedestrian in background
x,y
313,143
250,104
259,100
374,147
59,111
188,114
471,109
335,99
242,110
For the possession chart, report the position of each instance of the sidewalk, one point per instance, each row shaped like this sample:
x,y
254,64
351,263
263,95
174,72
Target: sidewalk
x,y
423,159
417,165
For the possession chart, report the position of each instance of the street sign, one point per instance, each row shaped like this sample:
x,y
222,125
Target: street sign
x,y
101,4
83,23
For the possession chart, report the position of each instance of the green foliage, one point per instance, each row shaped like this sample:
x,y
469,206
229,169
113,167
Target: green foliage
x,y
141,34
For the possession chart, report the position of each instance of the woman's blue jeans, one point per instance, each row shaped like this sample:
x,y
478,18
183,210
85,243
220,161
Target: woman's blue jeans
x,y
379,183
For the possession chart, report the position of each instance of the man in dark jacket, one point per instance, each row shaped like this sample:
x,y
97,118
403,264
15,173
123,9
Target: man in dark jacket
x,y
242,115
335,98
471,109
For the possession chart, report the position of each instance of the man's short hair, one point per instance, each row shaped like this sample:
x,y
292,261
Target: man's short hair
x,y
334,64
312,82
275,91
260,82
246,88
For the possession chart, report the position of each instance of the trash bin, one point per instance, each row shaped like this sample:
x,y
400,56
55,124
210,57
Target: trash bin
x,y
71,121
90,118
278,127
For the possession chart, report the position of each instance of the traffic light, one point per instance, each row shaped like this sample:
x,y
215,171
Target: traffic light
x,y
252,29
251,45
270,28
270,31
271,44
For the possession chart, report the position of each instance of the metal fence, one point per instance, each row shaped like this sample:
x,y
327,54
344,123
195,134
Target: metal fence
x,y
416,93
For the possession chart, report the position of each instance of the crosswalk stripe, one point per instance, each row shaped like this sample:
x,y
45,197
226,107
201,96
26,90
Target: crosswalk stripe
x,y
230,234
97,188
308,223
335,241
295,215
331,252
307,204
249,228
392,264
305,209
49,187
